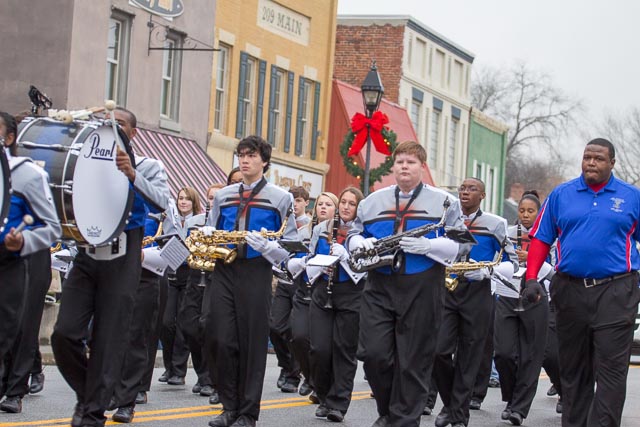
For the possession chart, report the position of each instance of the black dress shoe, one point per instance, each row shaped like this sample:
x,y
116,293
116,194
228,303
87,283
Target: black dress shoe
x,y
281,378
214,399
506,413
335,416
289,386
427,410
313,398
559,406
475,404
124,414
225,419
552,391
141,398
12,405
322,411
37,383
305,388
196,388
76,418
112,404
442,419
516,419
164,377
382,421
175,380
244,421
206,390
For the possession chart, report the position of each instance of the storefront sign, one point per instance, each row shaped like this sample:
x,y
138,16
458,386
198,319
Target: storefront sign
x,y
165,8
287,177
283,21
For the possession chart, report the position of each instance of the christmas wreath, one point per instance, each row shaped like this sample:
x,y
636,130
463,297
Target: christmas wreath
x,y
384,141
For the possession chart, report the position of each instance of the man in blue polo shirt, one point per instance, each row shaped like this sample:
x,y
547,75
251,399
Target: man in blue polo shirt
x,y
595,291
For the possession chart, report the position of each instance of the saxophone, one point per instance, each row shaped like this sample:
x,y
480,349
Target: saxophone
x,y
147,240
458,268
206,249
386,251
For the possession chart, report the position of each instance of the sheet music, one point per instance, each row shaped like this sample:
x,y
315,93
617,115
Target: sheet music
x,y
175,253
323,260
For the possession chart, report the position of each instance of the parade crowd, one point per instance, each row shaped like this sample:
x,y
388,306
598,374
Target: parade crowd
x,y
421,285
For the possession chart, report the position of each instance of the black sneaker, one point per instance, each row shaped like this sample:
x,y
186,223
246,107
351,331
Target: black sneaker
x,y
552,391
335,416
164,377
281,378
214,399
305,388
12,404
475,404
124,414
506,413
322,411
37,383
141,398
225,419
175,380
313,398
559,406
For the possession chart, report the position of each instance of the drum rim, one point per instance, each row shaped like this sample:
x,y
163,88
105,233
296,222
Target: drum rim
x,y
5,203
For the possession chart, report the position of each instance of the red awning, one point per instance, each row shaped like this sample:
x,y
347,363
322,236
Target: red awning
x,y
187,164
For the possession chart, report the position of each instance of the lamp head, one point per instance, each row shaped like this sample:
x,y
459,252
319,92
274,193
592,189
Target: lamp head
x,y
372,90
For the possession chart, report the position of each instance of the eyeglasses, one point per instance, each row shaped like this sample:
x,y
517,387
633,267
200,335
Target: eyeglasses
x,y
470,189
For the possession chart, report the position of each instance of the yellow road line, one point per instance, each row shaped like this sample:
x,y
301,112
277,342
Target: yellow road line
x,y
186,412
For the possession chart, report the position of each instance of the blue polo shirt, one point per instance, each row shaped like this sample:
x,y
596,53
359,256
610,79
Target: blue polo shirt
x,y
596,232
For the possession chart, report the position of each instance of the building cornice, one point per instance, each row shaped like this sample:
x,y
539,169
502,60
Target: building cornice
x,y
488,122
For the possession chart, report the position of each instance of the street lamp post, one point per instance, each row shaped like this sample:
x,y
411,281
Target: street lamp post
x,y
372,91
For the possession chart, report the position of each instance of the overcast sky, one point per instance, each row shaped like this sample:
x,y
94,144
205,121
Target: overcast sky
x,y
590,48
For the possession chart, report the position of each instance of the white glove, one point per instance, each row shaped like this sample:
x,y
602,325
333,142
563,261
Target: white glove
x,y
207,230
259,243
368,243
505,268
415,245
296,266
477,275
338,250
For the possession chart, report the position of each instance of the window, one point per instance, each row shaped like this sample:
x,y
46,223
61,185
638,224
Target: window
x,y
305,108
117,58
171,69
451,152
277,106
433,143
415,116
222,88
248,99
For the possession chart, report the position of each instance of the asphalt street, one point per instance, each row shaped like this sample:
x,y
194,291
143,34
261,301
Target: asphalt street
x,y
177,406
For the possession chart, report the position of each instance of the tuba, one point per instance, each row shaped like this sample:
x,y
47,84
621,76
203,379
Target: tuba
x,y
458,268
206,249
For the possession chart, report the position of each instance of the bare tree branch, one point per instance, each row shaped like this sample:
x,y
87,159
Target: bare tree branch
x,y
623,130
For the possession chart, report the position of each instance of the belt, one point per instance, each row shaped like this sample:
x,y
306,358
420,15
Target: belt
x,y
590,282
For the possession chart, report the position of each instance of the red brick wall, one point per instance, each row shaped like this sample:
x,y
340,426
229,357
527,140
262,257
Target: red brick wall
x,y
356,46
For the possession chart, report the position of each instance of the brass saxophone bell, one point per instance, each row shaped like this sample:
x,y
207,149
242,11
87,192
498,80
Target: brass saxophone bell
x,y
231,256
451,283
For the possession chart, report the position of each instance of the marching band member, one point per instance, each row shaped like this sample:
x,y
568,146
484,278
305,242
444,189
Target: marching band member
x,y
101,289
334,314
520,327
324,209
396,345
468,308
237,325
30,196
130,388
595,289
281,306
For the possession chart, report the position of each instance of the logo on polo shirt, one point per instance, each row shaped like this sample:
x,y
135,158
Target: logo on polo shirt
x,y
617,202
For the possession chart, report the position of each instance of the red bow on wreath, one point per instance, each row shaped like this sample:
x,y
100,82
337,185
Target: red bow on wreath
x,y
359,124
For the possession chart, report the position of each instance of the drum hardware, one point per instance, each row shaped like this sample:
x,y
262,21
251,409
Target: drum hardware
x,y
55,147
38,100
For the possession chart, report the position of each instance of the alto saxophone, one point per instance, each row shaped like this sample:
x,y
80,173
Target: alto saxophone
x,y
206,249
458,268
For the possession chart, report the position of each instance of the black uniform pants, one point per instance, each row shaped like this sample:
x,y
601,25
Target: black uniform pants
x,y
399,321
189,314
481,383
13,287
145,312
333,334
155,333
19,363
101,292
237,331
595,332
550,363
464,329
280,329
175,350
300,343
520,338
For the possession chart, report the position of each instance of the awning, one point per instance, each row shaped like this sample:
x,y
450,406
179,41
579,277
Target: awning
x,y
187,164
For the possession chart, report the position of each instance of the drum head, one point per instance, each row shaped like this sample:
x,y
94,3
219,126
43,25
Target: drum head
x,y
102,197
5,185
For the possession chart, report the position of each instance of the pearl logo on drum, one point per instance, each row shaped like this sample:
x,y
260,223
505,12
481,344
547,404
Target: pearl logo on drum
x,y
94,231
99,153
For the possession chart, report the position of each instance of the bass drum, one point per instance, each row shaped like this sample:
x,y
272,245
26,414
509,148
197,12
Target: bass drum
x,y
5,189
92,197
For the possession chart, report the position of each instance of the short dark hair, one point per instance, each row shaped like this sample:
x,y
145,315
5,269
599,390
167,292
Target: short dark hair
x,y
255,143
484,187
299,192
12,128
133,120
604,143
233,171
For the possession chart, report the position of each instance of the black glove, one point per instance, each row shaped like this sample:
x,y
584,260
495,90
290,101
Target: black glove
x,y
532,291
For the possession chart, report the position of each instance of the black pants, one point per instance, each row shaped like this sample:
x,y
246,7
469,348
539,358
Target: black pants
x,y
13,286
280,329
189,314
520,338
136,360
101,292
333,334
300,343
155,333
399,321
595,332
175,350
464,329
481,383
19,363
237,331
550,363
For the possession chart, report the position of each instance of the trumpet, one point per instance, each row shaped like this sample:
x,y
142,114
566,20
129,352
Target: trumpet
x,y
458,268
206,249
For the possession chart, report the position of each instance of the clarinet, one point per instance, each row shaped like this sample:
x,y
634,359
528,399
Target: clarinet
x,y
520,306
331,272
314,222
